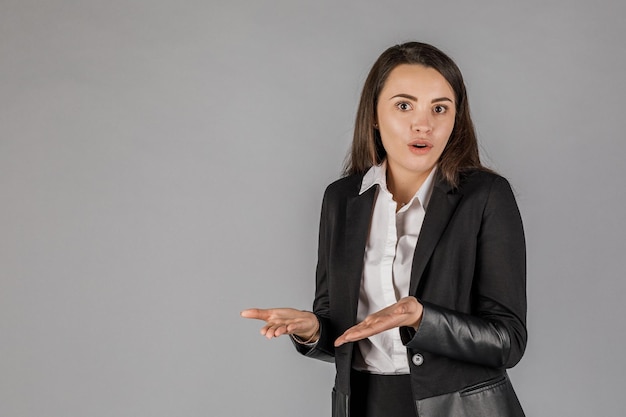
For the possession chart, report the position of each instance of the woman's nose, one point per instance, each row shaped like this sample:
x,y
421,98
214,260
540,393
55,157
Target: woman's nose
x,y
422,121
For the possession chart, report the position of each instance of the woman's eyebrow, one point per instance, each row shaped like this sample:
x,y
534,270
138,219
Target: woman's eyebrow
x,y
402,95
413,98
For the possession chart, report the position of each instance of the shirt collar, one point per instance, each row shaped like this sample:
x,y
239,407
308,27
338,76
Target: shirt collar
x,y
377,175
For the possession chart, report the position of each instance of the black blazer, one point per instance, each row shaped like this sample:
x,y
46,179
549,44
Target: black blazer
x,y
469,272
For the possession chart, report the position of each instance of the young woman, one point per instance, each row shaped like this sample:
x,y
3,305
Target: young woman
x,y
421,277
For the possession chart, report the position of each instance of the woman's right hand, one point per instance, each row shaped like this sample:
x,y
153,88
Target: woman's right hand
x,y
280,321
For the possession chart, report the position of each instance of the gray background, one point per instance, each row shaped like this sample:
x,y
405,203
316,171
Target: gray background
x,y
162,165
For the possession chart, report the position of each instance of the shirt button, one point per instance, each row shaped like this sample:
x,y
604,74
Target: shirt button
x,y
417,359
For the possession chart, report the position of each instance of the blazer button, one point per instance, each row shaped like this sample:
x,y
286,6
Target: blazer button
x,y
417,359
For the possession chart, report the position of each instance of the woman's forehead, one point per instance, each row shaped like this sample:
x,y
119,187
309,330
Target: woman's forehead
x,y
416,80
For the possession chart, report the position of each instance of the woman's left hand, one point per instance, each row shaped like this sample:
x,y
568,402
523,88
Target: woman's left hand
x,y
406,312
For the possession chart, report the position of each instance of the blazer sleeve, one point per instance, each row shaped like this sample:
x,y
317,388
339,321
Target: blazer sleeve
x,y
494,332
323,349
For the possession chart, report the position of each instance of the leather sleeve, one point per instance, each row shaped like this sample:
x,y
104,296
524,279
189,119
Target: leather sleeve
x,y
494,332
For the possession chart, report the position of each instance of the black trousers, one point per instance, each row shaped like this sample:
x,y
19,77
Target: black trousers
x,y
381,395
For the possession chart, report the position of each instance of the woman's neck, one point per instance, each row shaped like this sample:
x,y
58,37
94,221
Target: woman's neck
x,y
403,186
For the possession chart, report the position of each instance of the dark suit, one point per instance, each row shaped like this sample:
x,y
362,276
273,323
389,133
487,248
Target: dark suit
x,y
469,272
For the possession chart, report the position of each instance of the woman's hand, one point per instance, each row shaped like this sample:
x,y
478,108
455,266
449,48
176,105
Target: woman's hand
x,y
280,321
406,312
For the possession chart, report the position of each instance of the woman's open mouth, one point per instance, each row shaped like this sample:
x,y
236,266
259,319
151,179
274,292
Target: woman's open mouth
x,y
420,146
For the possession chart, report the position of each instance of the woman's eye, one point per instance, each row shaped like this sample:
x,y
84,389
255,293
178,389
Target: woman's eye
x,y
404,106
440,109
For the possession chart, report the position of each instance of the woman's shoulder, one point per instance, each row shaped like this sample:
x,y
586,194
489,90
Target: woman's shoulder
x,y
485,184
346,186
481,178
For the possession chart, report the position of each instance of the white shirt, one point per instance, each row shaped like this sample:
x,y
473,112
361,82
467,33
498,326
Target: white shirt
x,y
387,269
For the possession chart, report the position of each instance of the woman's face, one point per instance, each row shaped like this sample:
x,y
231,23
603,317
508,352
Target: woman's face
x,y
415,117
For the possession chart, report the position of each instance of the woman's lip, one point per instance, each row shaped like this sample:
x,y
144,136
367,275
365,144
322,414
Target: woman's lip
x,y
420,146
420,143
419,151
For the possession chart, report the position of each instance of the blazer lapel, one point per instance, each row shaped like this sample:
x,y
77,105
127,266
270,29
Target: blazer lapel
x,y
441,207
358,217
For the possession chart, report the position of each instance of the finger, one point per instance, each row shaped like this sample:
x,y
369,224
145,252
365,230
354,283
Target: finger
x,y
349,335
269,329
297,326
292,327
269,332
255,313
280,330
275,330
369,327
340,341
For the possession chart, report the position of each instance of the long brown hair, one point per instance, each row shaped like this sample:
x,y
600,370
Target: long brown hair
x,y
461,152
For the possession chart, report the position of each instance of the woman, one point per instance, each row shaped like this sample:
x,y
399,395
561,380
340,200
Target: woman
x,y
421,294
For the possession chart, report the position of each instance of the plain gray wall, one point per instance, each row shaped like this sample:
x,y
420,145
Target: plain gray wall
x,y
162,165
